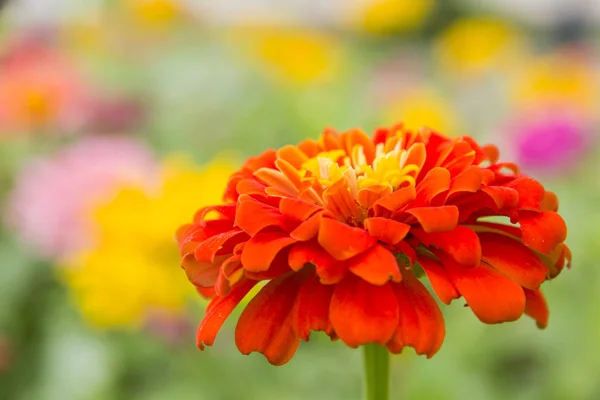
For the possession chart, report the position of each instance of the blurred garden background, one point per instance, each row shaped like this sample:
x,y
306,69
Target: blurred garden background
x,y
120,118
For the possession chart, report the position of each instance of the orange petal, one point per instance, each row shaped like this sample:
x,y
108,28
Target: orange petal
x,y
266,326
502,197
531,192
340,202
367,197
202,274
386,230
536,307
514,260
311,309
217,312
415,155
491,152
292,155
309,228
436,219
435,182
421,324
226,211
328,268
440,280
356,137
462,244
230,273
254,216
250,187
206,250
260,251
493,297
277,180
550,202
310,147
297,209
376,265
396,200
363,313
329,140
206,292
291,173
343,241
469,180
542,231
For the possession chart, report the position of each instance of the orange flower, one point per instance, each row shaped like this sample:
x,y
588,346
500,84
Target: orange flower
x,y
343,228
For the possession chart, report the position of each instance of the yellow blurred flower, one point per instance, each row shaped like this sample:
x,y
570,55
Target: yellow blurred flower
x,y
133,268
391,16
473,45
424,107
155,14
295,55
556,79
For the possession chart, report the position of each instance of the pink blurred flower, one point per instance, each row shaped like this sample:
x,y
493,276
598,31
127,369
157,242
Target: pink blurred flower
x,y
49,205
40,87
550,139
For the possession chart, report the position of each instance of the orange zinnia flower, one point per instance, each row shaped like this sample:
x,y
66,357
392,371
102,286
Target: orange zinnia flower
x,y
342,230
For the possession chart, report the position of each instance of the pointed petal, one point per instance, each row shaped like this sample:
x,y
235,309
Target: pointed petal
x,y
363,313
260,251
536,307
265,324
376,266
343,241
493,297
513,259
542,231
440,280
311,309
386,230
436,219
462,244
217,312
421,324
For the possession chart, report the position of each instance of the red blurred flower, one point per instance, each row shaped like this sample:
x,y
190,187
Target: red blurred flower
x,y
40,87
343,228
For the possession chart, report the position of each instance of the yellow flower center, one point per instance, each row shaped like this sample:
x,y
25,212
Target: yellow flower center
x,y
390,167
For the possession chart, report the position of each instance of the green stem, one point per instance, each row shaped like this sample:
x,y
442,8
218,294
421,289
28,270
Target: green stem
x,y
377,372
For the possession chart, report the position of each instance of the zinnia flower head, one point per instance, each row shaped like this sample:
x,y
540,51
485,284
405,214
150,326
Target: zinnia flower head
x,y
343,229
